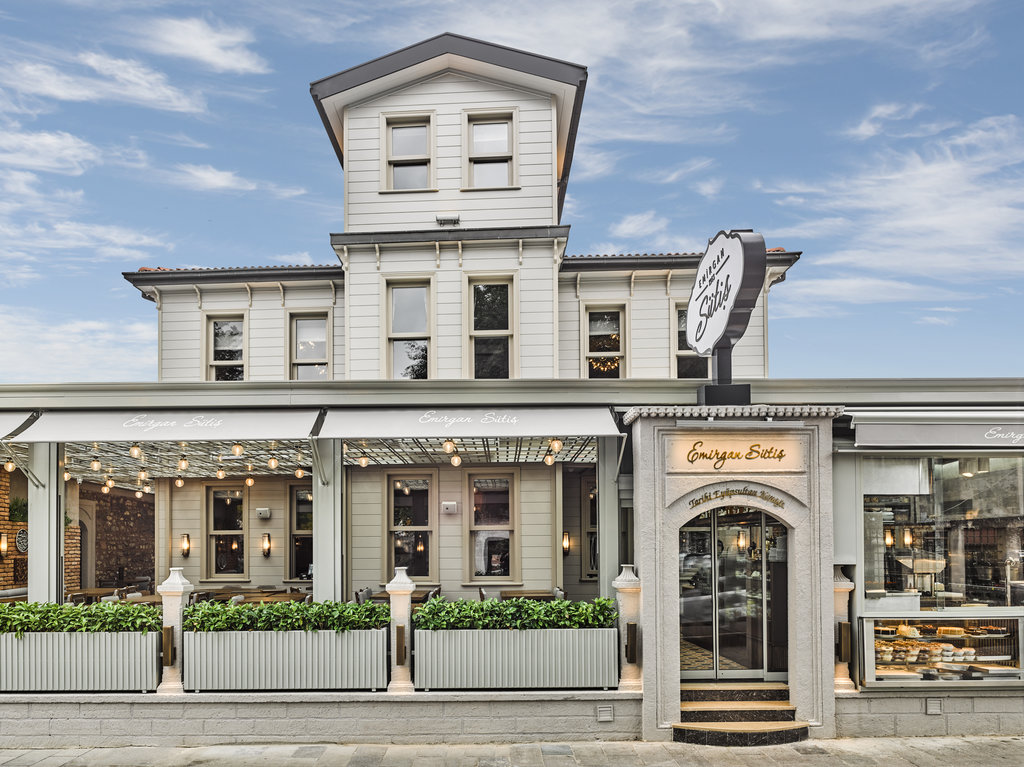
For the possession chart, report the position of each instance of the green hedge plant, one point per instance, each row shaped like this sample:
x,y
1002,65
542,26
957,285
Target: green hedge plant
x,y
29,617
439,614
286,616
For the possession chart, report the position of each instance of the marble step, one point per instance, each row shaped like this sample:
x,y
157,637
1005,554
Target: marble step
x,y
739,733
736,691
737,711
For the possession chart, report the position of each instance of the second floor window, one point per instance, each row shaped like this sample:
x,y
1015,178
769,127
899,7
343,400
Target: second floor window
x,y
309,348
688,364
605,357
491,332
408,152
490,157
226,349
409,330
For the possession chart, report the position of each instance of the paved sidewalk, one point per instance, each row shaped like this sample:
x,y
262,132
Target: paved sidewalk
x,y
862,752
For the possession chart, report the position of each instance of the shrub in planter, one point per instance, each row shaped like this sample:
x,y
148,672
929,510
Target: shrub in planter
x,y
286,616
439,614
20,618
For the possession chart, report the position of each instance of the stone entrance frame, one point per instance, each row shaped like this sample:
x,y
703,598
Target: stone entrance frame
x,y
665,499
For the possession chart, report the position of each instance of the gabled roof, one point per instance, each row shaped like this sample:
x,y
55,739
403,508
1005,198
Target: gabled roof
x,y
564,80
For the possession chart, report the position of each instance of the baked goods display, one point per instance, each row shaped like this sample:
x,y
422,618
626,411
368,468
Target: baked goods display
x,y
909,650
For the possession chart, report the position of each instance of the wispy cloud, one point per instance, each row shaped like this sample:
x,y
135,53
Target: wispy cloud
x,y
672,175
873,123
218,47
54,152
829,296
299,258
709,188
92,76
206,178
638,225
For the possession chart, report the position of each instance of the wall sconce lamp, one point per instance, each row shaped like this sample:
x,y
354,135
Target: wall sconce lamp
x,y
186,545
3,545
565,542
266,544
908,537
888,538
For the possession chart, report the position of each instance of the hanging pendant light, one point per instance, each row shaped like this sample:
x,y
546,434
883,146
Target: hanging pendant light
x,y
9,466
182,463
143,475
95,464
299,473
67,475
135,451
221,473
138,493
237,449
273,463
549,459
363,461
147,488
556,445
456,460
249,481
179,482
449,446
104,489
110,482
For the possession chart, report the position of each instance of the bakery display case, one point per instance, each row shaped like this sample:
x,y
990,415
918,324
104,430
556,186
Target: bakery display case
x,y
983,650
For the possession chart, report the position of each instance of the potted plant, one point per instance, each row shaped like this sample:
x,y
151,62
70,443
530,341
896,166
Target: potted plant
x,y
104,647
516,643
285,646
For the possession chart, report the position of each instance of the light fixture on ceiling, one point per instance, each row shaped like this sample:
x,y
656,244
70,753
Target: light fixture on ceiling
x,y
182,463
273,463
419,544
110,482
104,489
398,484
147,488
9,466
186,546
968,467
249,481
888,538
234,544
221,473
266,544
179,482
138,493
67,475
908,537
363,461
556,445
407,490
135,451
448,446
95,464
143,475
549,459
299,473
237,449
456,460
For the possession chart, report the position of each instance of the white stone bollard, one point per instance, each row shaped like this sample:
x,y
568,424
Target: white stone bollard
x,y
175,591
400,589
627,587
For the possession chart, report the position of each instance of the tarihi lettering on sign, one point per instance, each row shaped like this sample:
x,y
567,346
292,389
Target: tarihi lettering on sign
x,y
144,423
727,493
721,454
448,420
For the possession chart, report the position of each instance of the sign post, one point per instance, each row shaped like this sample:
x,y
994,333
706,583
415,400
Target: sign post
x,y
726,288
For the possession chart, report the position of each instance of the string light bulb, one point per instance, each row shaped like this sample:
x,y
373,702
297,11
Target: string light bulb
x,y
110,482
363,461
549,459
182,463
143,475
299,473
138,493
237,449
104,489
67,475
147,488
221,473
449,446
95,464
249,481
9,466
556,445
456,460
135,451
179,482
273,463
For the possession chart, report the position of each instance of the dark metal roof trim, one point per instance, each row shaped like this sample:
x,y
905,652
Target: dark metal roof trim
x,y
450,235
234,274
615,263
470,48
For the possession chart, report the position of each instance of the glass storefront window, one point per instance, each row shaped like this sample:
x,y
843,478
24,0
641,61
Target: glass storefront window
x,y
943,532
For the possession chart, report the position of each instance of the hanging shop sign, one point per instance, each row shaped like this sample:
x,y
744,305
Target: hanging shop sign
x,y
741,453
726,288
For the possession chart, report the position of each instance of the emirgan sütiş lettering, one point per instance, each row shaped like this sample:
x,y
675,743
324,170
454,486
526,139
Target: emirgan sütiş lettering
x,y
718,457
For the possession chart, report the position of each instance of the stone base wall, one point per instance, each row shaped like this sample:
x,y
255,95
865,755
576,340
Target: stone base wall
x,y
964,712
77,721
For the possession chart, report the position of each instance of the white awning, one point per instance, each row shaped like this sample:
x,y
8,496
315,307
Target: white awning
x,y
414,423
169,425
933,427
11,421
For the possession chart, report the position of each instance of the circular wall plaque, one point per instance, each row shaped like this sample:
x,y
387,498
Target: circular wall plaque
x,y
21,541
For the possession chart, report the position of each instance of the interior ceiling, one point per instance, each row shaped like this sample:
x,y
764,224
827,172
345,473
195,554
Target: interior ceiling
x,y
160,459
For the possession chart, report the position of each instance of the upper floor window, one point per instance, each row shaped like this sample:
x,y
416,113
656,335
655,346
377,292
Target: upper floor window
x,y
409,330
309,348
409,152
605,355
226,349
688,364
491,331
489,154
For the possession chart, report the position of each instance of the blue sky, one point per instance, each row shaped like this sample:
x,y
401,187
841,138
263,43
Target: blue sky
x,y
883,138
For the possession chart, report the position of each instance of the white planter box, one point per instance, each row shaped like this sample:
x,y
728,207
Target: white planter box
x,y
80,662
531,659
285,660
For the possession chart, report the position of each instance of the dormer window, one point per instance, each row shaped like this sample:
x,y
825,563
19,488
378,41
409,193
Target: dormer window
x,y
490,156
409,153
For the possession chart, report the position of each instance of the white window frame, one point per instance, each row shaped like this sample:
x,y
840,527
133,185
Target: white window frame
x,y
388,161
390,337
475,116
209,365
682,306
622,307
292,362
209,533
513,527
388,560
294,532
469,305
588,529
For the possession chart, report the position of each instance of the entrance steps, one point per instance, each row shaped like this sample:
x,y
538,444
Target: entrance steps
x,y
737,714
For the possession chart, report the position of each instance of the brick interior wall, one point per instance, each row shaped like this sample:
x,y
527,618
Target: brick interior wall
x,y
124,534
72,557
12,569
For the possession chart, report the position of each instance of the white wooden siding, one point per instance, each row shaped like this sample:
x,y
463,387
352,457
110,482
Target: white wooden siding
x,y
447,96
650,321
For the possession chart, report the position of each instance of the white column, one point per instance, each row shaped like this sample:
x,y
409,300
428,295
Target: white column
x,y
328,523
628,588
45,524
607,514
400,588
175,591
842,586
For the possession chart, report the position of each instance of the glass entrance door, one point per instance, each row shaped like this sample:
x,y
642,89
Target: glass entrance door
x,y
732,596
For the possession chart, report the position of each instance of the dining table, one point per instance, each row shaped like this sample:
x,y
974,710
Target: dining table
x,y
146,599
91,594
537,595
418,596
